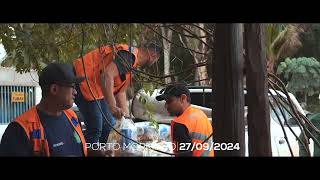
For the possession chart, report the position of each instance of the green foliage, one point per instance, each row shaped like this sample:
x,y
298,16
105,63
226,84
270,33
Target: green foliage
x,y
32,46
311,48
313,104
148,88
149,109
272,32
302,75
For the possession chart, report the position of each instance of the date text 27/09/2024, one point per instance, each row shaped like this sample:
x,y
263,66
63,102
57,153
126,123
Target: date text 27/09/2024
x,y
208,146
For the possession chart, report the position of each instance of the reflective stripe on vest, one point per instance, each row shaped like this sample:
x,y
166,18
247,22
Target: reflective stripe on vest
x,y
33,128
198,136
202,138
199,128
210,146
95,62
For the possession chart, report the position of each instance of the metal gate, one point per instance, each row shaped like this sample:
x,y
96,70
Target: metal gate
x,y
14,100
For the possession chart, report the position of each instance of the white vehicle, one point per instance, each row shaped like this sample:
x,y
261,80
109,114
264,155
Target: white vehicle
x,y
278,142
202,98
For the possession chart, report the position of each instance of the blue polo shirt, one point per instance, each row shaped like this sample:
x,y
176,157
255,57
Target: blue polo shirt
x,y
62,138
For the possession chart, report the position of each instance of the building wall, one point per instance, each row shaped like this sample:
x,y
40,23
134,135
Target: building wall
x,y
12,83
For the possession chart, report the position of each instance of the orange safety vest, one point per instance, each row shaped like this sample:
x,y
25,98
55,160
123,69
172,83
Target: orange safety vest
x,y
32,126
199,128
95,62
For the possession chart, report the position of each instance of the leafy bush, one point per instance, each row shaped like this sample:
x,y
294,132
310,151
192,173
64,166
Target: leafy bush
x,y
302,75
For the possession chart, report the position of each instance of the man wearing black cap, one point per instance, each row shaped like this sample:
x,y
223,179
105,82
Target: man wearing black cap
x,y
50,128
191,130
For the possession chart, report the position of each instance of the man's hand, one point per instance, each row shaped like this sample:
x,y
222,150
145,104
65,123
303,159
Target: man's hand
x,y
117,112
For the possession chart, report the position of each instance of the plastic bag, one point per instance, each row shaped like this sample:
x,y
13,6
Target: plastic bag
x,y
114,141
156,138
128,128
164,133
141,132
146,133
158,145
120,145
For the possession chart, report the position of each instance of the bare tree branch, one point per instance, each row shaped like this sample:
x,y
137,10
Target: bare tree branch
x,y
175,74
190,36
173,42
203,29
184,44
196,36
198,81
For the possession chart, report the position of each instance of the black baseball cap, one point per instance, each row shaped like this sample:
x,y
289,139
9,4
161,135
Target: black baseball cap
x,y
59,73
173,90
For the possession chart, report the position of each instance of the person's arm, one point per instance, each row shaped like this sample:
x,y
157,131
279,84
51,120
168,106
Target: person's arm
x,y
107,83
181,135
15,142
122,102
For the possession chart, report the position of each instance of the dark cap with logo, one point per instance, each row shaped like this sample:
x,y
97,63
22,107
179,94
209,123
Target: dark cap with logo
x,y
58,73
173,90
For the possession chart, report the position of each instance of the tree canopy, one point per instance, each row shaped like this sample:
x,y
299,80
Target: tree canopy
x,y
30,45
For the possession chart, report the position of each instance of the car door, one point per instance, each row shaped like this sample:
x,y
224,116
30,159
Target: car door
x,y
278,135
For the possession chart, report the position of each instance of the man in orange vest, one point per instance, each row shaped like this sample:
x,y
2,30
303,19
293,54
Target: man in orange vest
x,y
109,72
50,128
190,129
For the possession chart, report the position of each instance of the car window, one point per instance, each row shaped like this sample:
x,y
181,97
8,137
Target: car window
x,y
203,99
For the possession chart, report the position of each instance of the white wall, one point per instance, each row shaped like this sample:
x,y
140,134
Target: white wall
x,y
2,53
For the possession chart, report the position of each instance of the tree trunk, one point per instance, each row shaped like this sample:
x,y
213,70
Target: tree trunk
x,y
203,74
196,77
166,52
257,92
228,116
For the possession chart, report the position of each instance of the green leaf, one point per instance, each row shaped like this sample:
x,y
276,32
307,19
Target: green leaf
x,y
281,67
286,75
144,101
154,124
148,88
311,70
301,69
288,61
310,92
283,64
